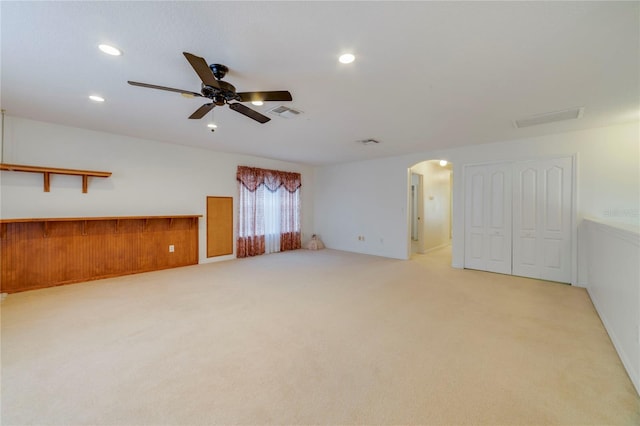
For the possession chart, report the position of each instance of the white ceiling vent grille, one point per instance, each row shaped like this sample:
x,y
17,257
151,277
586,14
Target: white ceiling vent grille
x,y
549,117
286,112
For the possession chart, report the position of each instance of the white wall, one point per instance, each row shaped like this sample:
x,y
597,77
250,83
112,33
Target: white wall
x,y
372,196
369,198
365,198
416,209
437,201
149,178
614,287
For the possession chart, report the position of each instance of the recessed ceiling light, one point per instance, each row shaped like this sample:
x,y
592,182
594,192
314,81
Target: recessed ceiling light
x,y
257,103
443,163
347,58
96,98
212,126
110,50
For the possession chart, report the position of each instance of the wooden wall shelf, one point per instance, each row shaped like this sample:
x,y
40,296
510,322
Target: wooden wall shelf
x,y
48,171
75,219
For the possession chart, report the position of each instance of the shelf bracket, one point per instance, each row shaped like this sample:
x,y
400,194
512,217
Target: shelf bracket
x,y
47,182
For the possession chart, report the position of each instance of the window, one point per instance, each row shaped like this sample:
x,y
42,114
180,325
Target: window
x,y
269,211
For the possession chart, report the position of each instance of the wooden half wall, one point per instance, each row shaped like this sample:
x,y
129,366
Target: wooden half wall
x,y
46,252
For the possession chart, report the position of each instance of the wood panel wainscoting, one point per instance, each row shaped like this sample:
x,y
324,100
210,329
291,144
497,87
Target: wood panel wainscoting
x,y
46,252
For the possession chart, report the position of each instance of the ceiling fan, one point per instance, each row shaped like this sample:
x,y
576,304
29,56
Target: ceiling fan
x,y
220,92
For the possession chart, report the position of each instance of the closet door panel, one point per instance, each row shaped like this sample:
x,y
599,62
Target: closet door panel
x,y
552,253
499,218
496,248
553,202
528,199
477,250
542,219
525,221
488,218
555,245
527,254
474,218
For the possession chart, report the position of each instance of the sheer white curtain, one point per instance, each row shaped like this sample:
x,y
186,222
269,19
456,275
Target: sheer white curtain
x,y
272,213
250,223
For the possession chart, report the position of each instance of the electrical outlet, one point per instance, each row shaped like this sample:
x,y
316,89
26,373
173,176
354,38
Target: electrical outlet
x,y
171,248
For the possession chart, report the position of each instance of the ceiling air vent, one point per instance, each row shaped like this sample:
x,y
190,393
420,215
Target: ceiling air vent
x,y
286,112
549,117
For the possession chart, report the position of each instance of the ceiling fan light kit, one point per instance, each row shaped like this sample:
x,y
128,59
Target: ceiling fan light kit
x,y
220,92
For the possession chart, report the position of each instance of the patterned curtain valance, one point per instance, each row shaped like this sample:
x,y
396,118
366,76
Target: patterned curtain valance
x,y
252,177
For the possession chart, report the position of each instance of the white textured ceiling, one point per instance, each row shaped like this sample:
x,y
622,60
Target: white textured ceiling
x,y
428,75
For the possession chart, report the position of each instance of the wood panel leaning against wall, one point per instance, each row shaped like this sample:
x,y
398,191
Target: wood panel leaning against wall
x,y
219,226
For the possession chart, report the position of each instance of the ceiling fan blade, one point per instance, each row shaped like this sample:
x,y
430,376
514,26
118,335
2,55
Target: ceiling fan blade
x,y
279,95
169,89
249,113
202,69
202,111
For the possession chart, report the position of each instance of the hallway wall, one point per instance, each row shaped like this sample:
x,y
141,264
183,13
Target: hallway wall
x,y
372,197
436,220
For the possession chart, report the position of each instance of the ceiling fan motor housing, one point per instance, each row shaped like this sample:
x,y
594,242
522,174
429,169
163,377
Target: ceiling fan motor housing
x,y
219,70
226,92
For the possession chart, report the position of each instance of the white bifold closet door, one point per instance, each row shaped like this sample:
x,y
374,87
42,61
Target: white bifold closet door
x,y
488,218
542,219
518,218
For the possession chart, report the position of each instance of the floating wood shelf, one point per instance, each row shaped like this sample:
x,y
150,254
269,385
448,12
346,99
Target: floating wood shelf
x,y
90,218
48,171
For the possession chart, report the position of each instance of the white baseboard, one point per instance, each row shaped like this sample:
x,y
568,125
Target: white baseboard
x,y
633,374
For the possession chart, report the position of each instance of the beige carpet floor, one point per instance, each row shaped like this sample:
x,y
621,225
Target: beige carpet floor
x,y
305,337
